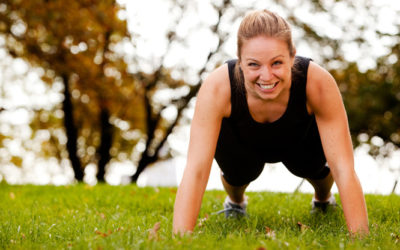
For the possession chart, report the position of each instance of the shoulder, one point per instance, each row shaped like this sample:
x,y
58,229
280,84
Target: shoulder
x,y
216,89
321,87
316,73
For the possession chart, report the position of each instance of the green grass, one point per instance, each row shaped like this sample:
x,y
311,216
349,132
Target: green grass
x,y
122,217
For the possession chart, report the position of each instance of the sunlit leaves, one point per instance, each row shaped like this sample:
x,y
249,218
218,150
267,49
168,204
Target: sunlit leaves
x,y
76,39
372,101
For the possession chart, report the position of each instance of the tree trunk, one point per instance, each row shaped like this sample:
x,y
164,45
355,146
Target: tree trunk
x,y
103,151
71,131
143,163
152,122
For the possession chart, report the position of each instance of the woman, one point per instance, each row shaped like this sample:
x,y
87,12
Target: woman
x,y
269,106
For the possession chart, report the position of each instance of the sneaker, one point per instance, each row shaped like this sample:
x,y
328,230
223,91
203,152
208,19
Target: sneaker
x,y
232,209
323,206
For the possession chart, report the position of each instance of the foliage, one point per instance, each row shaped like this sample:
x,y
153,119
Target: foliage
x,y
75,43
85,56
372,102
105,216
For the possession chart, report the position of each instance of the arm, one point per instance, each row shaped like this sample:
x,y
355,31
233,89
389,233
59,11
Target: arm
x,y
325,101
213,103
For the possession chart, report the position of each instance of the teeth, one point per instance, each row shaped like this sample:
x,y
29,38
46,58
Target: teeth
x,y
266,86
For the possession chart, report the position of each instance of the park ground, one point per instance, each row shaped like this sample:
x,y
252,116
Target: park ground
x,y
131,217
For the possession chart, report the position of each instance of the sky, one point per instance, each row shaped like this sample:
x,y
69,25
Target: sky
x,y
150,19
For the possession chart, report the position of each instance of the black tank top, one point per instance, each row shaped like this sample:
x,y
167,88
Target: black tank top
x,y
293,132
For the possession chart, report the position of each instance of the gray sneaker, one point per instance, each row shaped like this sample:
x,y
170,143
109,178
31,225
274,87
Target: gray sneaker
x,y
318,206
233,209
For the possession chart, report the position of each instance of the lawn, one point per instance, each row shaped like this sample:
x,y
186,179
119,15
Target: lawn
x,y
130,217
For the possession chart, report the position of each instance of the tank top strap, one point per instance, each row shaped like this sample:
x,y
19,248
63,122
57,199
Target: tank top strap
x,y
299,84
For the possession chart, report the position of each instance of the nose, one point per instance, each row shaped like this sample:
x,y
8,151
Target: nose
x,y
265,73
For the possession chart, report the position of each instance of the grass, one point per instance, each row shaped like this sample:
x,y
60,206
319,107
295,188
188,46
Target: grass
x,y
126,217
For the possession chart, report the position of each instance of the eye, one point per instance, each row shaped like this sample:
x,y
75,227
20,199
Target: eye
x,y
277,63
252,64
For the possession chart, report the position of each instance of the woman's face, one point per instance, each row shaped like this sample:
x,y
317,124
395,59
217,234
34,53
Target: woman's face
x,y
266,65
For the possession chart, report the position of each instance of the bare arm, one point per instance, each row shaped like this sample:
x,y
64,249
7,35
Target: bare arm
x,y
324,100
213,103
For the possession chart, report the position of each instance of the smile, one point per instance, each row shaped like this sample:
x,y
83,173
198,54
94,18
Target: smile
x,y
267,86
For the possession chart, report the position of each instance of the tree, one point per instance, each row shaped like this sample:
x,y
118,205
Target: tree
x,y
73,42
82,56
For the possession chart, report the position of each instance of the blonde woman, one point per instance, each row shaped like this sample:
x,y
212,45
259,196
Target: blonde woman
x,y
269,106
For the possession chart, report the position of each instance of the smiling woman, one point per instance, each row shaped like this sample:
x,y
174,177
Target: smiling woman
x,y
267,74
271,106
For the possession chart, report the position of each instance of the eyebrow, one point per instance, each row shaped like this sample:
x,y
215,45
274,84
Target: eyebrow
x,y
276,57
273,58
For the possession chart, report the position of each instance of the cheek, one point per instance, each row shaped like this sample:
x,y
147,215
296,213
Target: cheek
x,y
283,72
250,75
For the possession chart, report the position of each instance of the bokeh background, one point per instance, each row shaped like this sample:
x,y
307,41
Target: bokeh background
x,y
103,91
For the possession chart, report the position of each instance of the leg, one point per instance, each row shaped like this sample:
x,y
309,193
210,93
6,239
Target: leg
x,y
322,187
238,163
235,193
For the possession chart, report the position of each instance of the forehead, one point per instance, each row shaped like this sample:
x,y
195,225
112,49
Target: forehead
x,y
262,47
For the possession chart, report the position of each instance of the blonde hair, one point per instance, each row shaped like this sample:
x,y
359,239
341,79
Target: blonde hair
x,y
266,23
